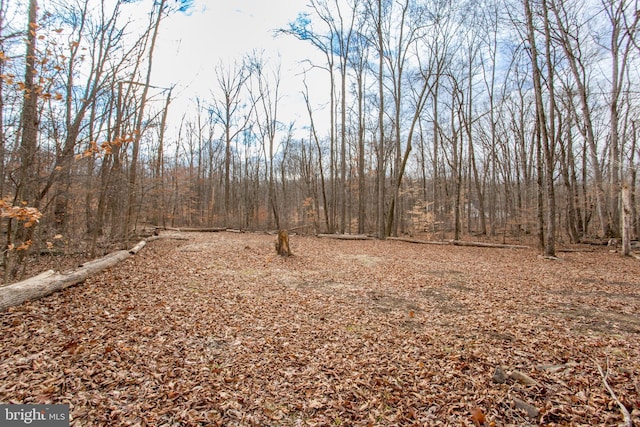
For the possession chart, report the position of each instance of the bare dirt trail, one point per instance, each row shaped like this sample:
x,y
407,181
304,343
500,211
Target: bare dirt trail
x,y
219,330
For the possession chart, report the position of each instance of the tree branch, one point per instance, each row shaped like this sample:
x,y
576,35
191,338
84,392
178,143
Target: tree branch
x,y
625,412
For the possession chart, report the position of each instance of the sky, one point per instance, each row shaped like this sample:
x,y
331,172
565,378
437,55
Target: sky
x,y
191,45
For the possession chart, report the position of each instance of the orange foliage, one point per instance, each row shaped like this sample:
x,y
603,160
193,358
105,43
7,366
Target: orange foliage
x,y
25,214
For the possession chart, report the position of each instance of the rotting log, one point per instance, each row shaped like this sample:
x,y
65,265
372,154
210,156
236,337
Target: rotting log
x,y
418,241
119,255
191,229
574,250
487,245
460,243
346,236
167,236
203,230
134,250
49,282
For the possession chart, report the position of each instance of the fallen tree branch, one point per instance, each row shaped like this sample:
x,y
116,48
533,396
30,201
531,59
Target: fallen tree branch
x,y
459,243
419,241
49,282
167,236
134,250
203,230
626,416
487,245
189,229
346,236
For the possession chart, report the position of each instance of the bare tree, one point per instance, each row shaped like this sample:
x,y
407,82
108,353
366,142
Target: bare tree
x,y
266,94
570,43
399,48
137,134
226,108
542,128
620,46
314,136
303,29
381,136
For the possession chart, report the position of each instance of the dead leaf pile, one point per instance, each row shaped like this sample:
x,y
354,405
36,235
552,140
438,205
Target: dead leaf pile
x,y
218,330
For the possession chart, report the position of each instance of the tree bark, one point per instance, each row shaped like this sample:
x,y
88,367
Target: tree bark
x,y
380,164
548,242
626,220
27,188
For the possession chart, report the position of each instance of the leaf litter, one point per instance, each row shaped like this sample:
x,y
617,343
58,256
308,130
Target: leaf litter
x,y
219,330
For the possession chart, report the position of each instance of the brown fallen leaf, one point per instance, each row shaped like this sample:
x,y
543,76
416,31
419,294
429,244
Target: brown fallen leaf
x,y
477,416
233,340
523,378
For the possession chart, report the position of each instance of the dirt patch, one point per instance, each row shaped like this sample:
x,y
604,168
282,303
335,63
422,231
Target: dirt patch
x,y
599,320
384,302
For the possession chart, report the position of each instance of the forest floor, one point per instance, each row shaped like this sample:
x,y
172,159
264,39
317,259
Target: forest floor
x,y
218,330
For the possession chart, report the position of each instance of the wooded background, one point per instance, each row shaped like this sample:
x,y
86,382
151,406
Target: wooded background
x,y
506,119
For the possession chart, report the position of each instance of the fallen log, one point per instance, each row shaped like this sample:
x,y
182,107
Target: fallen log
x,y
134,250
418,241
595,242
189,229
203,230
49,282
346,236
487,245
459,243
167,236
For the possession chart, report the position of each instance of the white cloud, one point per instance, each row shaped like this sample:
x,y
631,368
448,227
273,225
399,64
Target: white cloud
x,y
191,45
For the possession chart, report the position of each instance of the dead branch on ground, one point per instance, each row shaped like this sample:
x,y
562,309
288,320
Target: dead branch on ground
x,y
626,416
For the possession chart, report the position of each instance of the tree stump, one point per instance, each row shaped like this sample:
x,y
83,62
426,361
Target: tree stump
x,y
282,244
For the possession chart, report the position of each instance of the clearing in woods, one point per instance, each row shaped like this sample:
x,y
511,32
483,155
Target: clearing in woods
x,y
219,330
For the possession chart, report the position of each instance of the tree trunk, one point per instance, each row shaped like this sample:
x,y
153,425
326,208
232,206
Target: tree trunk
x,y
380,164
27,190
633,178
626,220
138,129
550,142
361,158
544,137
579,74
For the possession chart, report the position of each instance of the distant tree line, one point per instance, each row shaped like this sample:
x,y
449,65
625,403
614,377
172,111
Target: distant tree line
x,y
500,118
